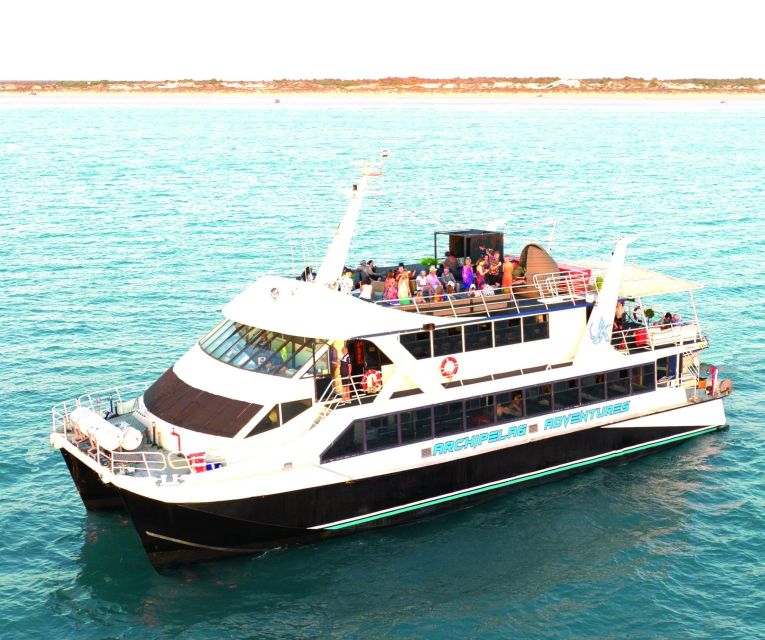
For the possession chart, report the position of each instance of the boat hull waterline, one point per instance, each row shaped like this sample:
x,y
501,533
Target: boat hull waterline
x,y
173,534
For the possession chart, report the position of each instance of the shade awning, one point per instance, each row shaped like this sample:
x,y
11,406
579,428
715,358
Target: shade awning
x,y
638,282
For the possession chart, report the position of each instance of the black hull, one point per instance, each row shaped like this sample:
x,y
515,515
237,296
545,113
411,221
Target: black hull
x,y
178,533
96,496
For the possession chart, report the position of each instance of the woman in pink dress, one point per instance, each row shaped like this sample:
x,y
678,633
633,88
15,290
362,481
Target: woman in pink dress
x,y
391,288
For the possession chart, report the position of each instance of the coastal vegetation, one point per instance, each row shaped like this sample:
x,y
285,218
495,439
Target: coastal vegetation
x,y
409,85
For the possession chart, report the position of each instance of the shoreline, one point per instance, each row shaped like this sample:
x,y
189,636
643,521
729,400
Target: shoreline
x,y
372,98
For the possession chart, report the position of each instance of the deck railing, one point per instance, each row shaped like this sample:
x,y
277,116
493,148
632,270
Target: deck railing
x,y
544,290
645,338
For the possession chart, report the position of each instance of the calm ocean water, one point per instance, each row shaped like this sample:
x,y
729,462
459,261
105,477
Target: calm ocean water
x,y
124,229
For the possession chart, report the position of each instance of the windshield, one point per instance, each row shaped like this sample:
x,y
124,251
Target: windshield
x,y
258,349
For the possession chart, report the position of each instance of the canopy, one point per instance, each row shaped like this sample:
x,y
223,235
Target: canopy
x,y
311,310
638,282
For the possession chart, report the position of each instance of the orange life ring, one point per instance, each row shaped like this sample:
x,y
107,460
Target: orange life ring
x,y
449,367
371,381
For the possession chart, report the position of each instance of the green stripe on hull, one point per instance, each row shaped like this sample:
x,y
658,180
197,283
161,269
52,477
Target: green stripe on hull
x,y
532,476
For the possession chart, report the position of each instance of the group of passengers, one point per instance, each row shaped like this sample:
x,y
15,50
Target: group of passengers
x,y
486,277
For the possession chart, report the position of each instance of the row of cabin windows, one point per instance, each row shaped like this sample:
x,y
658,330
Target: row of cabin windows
x,y
406,427
480,335
279,414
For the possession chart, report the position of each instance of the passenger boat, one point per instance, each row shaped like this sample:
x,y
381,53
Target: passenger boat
x,y
254,440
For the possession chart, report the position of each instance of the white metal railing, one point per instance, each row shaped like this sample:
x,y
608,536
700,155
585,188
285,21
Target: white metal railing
x,y
111,403
117,401
543,290
650,338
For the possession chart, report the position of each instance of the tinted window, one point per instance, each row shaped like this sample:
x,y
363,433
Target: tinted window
x,y
416,425
536,327
643,379
350,443
292,409
479,412
446,341
418,344
478,336
618,383
507,332
382,433
448,418
566,394
267,422
666,367
509,406
593,388
538,400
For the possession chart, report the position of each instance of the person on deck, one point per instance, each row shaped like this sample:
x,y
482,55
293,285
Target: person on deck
x,y
492,275
372,271
432,281
365,292
404,292
391,287
507,274
346,282
468,275
480,273
448,278
421,282
345,374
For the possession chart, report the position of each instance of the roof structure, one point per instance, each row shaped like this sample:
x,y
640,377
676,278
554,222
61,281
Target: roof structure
x,y
311,310
638,282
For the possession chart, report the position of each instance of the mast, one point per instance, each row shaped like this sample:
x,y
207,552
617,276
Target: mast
x,y
337,254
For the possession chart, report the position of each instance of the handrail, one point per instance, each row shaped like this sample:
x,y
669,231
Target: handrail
x,y
652,338
543,289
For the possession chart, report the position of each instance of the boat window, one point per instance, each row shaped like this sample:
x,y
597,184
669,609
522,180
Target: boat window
x,y
269,421
536,327
259,350
479,412
350,443
448,418
643,379
618,383
566,394
507,332
382,433
215,333
478,336
295,408
447,341
416,425
666,368
320,366
538,400
509,406
374,358
593,388
418,344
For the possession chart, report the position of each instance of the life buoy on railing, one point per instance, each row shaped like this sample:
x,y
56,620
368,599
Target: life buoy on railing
x,y
371,381
449,367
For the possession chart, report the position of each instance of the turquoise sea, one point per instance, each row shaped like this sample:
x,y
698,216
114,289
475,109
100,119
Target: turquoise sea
x,y
125,227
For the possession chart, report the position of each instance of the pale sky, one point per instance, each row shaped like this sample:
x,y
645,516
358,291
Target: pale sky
x,y
259,40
